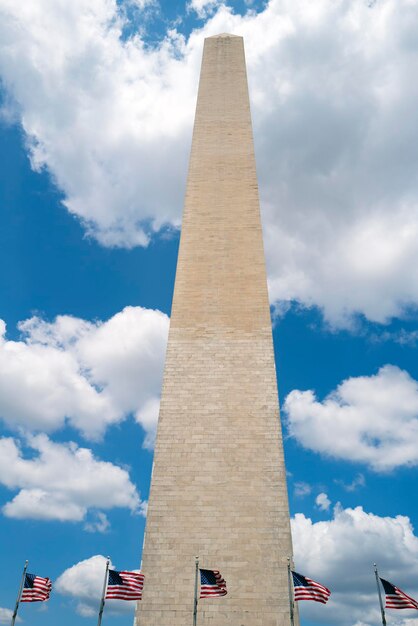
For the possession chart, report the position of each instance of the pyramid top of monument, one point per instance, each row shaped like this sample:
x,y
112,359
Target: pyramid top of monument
x,y
222,35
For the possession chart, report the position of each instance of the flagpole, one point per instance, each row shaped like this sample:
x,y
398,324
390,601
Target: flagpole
x,y
19,595
380,595
292,620
102,603
195,592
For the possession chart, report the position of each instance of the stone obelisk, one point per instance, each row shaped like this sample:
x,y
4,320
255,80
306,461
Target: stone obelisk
x,y
219,485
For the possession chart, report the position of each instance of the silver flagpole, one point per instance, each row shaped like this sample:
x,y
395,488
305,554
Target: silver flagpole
x,y
380,595
289,579
195,592
19,595
102,603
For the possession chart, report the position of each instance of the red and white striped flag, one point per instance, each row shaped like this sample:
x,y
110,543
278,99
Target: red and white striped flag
x,y
212,584
124,585
307,589
397,599
35,589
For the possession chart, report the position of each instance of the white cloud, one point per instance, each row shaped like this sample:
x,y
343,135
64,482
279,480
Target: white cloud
x,y
90,374
140,4
302,489
335,128
358,481
84,582
44,505
111,119
373,420
340,554
322,501
100,523
147,417
6,616
402,337
61,481
203,8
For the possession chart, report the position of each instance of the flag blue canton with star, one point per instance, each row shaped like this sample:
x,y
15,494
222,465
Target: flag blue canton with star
x,y
29,580
307,589
211,584
396,598
35,589
124,585
115,578
207,577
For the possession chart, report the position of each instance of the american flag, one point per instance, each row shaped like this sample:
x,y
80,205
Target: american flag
x,y
397,599
307,589
124,585
211,584
35,589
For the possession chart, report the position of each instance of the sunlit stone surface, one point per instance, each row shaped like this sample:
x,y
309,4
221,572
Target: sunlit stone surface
x,y
219,484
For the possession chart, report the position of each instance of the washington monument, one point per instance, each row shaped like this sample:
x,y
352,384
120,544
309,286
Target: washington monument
x,y
219,485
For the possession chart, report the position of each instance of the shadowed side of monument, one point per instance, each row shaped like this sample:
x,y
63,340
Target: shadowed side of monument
x,y
219,485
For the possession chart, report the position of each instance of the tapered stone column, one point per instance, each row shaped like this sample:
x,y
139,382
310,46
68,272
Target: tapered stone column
x,y
219,483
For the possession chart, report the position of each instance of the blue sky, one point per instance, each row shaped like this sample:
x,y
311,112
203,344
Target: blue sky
x,y
97,109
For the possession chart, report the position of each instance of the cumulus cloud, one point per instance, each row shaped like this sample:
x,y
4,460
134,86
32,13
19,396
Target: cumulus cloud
x,y
109,118
302,489
340,554
403,337
147,417
62,482
322,501
6,616
358,481
140,4
90,374
203,7
334,119
83,582
100,523
368,419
